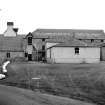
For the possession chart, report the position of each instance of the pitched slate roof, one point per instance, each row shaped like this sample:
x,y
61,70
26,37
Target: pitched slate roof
x,y
74,43
11,43
102,44
67,30
68,33
90,36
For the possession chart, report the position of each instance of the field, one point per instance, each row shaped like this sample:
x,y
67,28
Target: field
x,y
85,82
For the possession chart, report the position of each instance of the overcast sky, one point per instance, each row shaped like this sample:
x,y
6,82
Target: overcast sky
x,y
29,15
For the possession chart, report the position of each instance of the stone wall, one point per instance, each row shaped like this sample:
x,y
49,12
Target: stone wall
x,y
3,55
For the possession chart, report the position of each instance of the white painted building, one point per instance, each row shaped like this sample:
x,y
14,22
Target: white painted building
x,y
50,44
73,51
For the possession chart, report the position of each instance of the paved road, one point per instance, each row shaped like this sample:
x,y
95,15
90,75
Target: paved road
x,y
13,96
7,101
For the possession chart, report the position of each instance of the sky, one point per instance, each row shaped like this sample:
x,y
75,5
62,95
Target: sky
x,y
28,15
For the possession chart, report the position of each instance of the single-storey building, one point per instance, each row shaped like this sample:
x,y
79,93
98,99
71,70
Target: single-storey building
x,y
60,40
73,51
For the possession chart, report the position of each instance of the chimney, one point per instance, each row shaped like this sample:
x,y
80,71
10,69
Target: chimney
x,y
10,24
15,30
10,31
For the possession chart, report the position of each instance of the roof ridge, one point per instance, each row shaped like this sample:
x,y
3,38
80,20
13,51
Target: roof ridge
x,y
73,30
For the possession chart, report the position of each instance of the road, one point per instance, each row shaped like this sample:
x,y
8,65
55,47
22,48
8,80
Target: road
x,y
7,101
16,96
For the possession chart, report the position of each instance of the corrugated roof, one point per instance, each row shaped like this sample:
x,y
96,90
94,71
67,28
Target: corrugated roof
x,y
11,43
75,43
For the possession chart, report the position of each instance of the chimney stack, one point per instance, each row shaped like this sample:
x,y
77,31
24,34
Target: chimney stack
x,y
15,30
10,31
10,24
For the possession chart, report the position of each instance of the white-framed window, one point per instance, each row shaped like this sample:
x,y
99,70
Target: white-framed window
x,y
77,50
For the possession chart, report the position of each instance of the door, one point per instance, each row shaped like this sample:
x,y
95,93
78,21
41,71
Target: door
x,y
29,57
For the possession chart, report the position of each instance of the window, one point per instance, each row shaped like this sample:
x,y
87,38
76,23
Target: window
x,y
92,40
8,54
43,47
102,40
76,50
29,40
25,54
43,39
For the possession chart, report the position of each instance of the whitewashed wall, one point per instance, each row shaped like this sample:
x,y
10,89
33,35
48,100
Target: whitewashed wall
x,y
9,32
29,49
67,55
48,44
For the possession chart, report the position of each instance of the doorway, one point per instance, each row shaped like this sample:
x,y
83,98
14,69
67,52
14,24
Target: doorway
x,y
29,57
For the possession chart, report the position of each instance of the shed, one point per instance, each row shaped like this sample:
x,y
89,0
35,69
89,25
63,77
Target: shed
x,y
73,51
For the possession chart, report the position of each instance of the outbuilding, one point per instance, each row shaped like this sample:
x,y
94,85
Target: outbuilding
x,y
73,51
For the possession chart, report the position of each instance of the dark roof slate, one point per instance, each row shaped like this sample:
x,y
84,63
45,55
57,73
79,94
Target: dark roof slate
x,y
67,30
68,33
75,43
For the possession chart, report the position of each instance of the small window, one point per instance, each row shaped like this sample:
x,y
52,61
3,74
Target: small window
x,y
29,40
102,40
8,54
43,39
92,40
76,50
25,54
43,47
